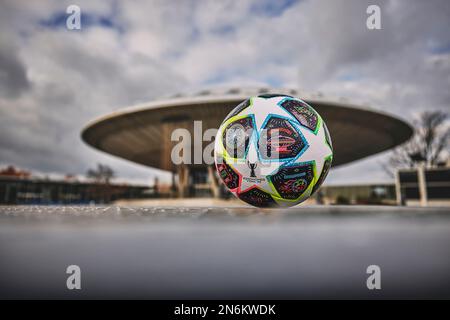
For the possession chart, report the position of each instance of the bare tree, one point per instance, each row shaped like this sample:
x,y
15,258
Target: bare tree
x,y
103,173
429,144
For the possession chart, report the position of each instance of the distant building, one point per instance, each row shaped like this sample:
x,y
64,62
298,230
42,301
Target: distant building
x,y
142,134
423,186
382,194
13,172
16,191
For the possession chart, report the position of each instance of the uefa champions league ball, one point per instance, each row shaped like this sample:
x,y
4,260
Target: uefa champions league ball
x,y
273,150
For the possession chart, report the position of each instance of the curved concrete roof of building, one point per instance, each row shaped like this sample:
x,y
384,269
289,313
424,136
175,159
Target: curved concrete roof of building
x,y
142,133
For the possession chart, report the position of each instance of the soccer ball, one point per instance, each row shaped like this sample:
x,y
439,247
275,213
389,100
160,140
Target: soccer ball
x,y
273,150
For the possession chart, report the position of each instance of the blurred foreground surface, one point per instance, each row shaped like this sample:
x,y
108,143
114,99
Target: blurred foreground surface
x,y
228,253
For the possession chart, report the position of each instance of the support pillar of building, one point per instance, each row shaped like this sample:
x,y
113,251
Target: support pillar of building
x,y
422,185
183,181
398,189
173,187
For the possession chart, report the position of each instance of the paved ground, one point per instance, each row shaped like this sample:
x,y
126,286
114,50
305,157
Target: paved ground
x,y
210,252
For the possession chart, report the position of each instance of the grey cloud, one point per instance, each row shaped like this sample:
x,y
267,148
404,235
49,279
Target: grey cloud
x,y
76,82
13,74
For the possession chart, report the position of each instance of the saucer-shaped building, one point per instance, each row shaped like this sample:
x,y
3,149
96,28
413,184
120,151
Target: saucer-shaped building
x,y
142,133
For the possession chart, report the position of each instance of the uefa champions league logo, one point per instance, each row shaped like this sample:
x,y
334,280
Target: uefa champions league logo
x,y
252,167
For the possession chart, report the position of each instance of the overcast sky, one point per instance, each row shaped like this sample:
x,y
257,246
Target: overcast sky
x,y
53,80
